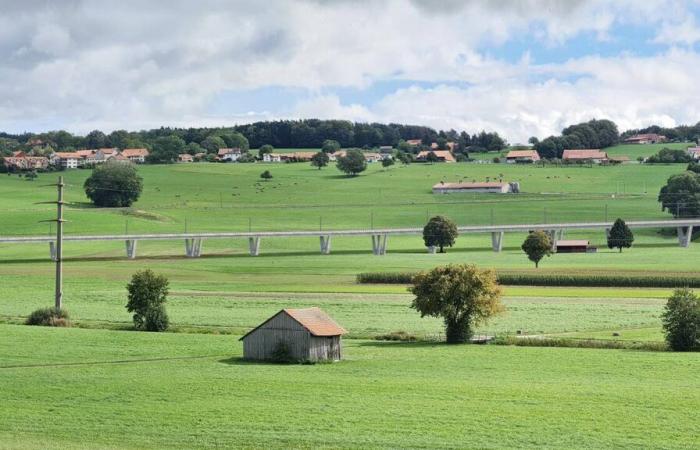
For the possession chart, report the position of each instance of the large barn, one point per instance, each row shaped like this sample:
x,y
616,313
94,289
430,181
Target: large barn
x,y
309,334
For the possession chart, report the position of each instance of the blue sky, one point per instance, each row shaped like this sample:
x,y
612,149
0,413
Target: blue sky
x,y
519,67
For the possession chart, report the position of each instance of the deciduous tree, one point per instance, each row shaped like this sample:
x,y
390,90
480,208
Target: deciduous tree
x,y
148,293
352,163
114,184
681,320
440,232
537,245
320,160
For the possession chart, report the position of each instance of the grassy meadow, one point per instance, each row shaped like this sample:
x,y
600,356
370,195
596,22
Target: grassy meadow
x,y
99,385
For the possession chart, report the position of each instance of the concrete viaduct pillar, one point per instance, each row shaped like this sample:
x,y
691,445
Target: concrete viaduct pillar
x,y
254,245
379,244
497,241
684,236
325,244
193,248
131,249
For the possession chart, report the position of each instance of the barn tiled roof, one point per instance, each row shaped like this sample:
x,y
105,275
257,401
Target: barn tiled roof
x,y
584,154
316,321
475,185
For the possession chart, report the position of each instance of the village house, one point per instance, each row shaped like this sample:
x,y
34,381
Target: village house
x,y
522,156
386,149
185,158
442,156
491,187
573,246
21,163
648,138
304,334
694,152
229,154
592,155
136,155
272,157
414,142
66,160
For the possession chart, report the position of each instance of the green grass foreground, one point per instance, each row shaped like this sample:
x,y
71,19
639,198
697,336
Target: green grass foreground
x,y
72,388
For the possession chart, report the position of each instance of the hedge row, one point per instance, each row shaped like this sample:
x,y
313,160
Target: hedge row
x,y
649,281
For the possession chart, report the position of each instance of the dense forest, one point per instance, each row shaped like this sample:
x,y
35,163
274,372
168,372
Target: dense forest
x,y
309,133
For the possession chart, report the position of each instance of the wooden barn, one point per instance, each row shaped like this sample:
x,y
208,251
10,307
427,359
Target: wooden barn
x,y
309,334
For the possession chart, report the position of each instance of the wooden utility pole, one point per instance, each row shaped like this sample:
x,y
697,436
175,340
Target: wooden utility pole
x,y
59,242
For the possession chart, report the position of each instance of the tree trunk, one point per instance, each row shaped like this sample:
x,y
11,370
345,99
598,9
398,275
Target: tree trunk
x,y
620,249
457,331
537,264
441,249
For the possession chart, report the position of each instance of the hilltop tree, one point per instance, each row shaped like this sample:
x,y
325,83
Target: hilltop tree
x,y
440,232
330,146
537,245
352,163
148,293
620,236
166,149
463,295
114,184
681,195
320,160
681,320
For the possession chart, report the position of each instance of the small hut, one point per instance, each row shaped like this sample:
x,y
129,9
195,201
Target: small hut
x,y
309,335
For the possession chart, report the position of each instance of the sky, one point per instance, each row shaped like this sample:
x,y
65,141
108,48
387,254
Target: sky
x,y
518,67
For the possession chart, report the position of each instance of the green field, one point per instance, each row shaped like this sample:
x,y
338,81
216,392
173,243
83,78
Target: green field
x,y
106,389
97,385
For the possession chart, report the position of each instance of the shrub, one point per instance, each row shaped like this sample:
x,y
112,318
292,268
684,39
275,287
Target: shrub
x,y
147,296
681,320
401,336
49,317
266,175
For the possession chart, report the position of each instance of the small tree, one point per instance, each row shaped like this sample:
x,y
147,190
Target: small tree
x,y
352,163
148,293
387,162
265,150
537,245
440,232
320,160
620,236
681,320
463,295
266,175
114,184
431,157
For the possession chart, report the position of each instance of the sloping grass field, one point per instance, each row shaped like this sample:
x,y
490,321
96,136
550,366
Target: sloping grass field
x,y
99,385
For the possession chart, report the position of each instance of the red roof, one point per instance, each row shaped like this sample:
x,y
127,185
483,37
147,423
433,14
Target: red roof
x,y
135,152
315,320
523,154
584,154
573,243
442,154
228,151
67,155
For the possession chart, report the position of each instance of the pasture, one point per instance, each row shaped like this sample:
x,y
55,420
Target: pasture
x,y
99,385
72,388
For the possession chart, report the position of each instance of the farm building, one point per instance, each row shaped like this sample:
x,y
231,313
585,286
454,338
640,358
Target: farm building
x,y
593,155
185,158
648,138
574,246
442,156
522,156
694,152
494,187
309,334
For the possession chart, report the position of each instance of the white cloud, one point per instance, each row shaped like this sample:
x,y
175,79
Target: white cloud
x,y
685,32
133,64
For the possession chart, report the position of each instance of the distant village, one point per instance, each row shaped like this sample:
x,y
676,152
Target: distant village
x,y
24,161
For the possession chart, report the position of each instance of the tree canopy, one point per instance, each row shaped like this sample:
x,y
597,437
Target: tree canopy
x,y
681,195
166,149
537,245
440,232
681,320
320,160
114,184
330,146
620,235
352,163
591,134
464,296
148,293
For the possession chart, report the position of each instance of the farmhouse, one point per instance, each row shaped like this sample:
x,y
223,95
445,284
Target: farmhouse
x,y
694,152
573,246
522,156
493,187
648,138
229,154
136,155
272,157
592,155
185,158
414,142
442,156
67,160
309,335
621,159
26,162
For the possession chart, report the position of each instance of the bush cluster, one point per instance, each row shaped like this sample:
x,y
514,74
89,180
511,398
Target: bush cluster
x,y
49,317
593,280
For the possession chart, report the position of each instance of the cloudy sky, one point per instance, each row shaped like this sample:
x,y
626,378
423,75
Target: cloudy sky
x,y
519,67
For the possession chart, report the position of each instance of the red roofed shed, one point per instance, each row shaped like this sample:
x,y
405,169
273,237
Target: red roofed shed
x,y
309,334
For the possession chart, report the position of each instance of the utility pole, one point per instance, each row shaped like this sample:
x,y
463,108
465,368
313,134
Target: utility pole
x,y
59,242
